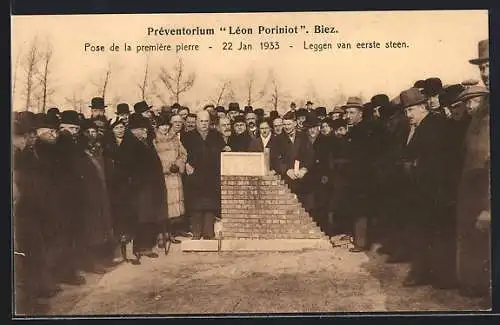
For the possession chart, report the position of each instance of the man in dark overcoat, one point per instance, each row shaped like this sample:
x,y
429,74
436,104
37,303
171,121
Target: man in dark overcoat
x,y
265,138
292,157
203,176
240,139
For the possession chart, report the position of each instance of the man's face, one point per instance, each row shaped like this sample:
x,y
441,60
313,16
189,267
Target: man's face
x,y
458,111
225,126
433,102
341,131
177,121
336,116
69,128
47,135
415,113
91,135
289,126
233,114
190,123
95,112
484,70
30,138
325,128
309,107
147,114
264,129
301,119
251,119
221,114
472,104
119,130
353,115
313,131
278,126
163,129
124,117
203,122
140,133
183,113
376,112
239,127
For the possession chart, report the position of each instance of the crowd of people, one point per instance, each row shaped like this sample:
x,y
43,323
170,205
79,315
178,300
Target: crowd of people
x,y
398,172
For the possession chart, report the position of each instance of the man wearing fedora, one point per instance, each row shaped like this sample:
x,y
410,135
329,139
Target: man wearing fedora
x,y
473,210
423,165
123,112
97,107
142,109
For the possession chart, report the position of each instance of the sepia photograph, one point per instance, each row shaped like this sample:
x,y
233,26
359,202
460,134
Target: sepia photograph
x,y
250,163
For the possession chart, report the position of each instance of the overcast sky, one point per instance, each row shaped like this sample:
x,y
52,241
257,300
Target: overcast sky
x,y
440,44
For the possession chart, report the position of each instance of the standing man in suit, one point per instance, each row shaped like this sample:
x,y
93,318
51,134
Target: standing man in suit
x,y
424,164
264,140
291,156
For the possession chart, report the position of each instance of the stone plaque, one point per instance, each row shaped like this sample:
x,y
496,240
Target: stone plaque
x,y
245,163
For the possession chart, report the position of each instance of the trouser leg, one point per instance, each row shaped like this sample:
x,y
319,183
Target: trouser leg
x,y
208,225
197,223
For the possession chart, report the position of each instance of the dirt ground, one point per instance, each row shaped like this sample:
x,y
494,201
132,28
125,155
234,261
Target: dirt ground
x,y
334,280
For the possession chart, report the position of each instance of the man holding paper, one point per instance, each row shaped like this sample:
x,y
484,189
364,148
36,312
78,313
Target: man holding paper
x,y
292,156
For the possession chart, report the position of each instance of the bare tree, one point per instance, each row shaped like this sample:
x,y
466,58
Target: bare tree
x,y
30,63
76,100
223,93
277,95
14,74
177,82
253,94
144,84
103,82
46,91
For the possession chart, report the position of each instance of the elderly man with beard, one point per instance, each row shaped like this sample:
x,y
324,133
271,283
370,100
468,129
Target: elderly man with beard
x,y
474,210
224,128
203,176
240,140
251,121
292,157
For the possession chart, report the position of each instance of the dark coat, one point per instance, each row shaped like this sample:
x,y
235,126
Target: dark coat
x,y
204,184
283,155
256,145
149,193
240,142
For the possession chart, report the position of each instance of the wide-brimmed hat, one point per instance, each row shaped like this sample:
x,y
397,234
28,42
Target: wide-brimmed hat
x,y
97,102
69,117
338,109
419,84
473,91
432,87
311,121
353,101
141,107
248,109
470,82
273,115
483,52
259,112
220,109
411,97
450,95
320,111
88,124
233,107
137,121
380,100
122,108
290,116
300,112
42,120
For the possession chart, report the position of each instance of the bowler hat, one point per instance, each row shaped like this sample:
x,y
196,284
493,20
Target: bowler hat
x,y
239,118
220,109
273,115
450,95
69,117
141,107
176,106
432,87
354,101
88,124
473,91
309,102
380,100
289,116
301,112
248,109
97,102
311,121
137,121
339,123
122,108
233,107
419,84
53,110
411,97
259,112
42,120
320,111
483,52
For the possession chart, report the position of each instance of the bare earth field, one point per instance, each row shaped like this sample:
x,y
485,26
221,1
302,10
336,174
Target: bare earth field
x,y
334,280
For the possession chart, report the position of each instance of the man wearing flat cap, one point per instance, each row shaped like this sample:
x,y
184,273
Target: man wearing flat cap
x,y
474,210
422,163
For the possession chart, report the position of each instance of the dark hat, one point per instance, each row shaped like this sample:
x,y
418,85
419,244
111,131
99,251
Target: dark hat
x,y
354,101
100,121
432,87
239,118
122,108
380,100
70,117
259,112
273,115
53,110
141,107
97,102
328,121
450,95
309,102
419,84
220,109
233,107
26,118
291,115
42,120
483,52
311,121
411,97
88,124
339,123
248,109
163,119
473,91
293,104
116,121
320,111
300,112
470,82
137,121
338,109
81,116
176,106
